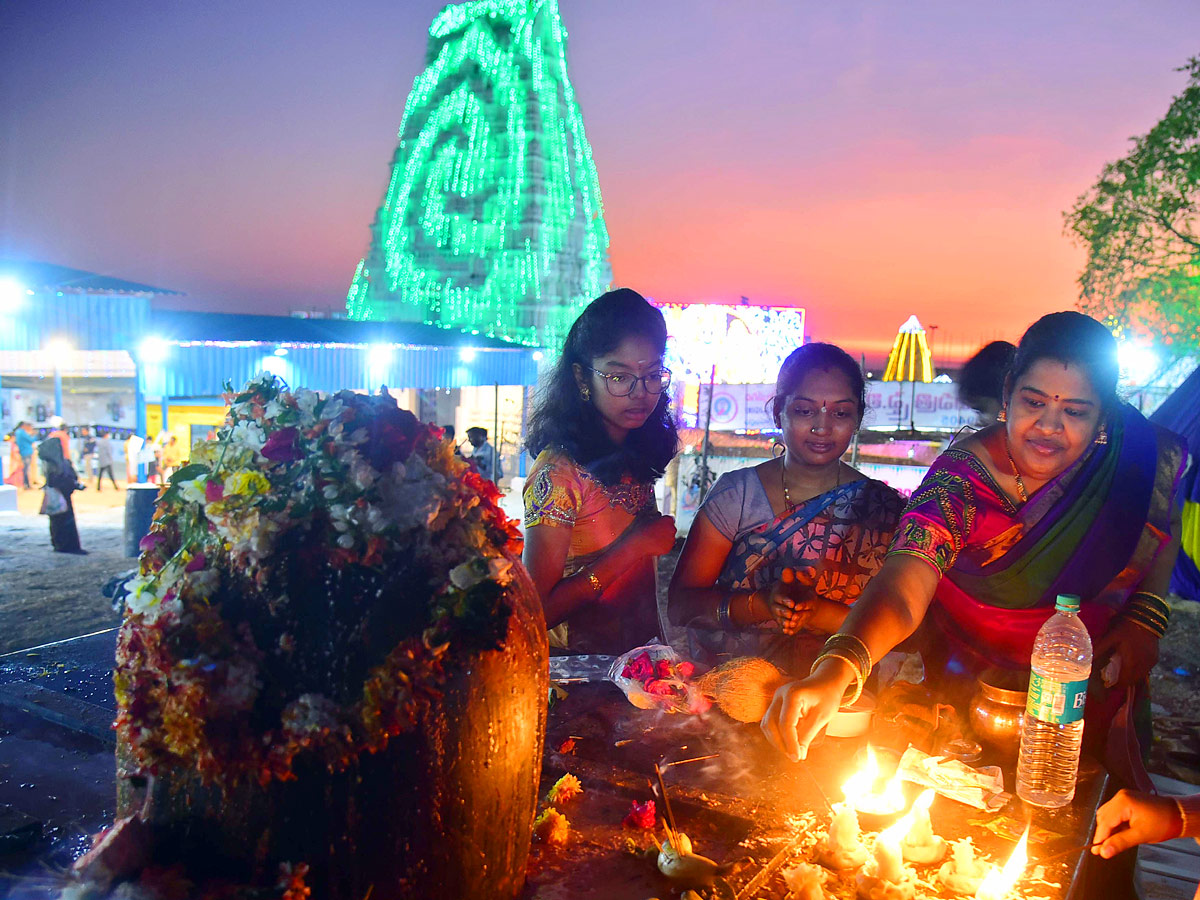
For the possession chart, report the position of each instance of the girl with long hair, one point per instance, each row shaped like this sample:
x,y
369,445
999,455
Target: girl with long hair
x,y
602,434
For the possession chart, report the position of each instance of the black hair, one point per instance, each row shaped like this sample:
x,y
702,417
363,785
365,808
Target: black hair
x,y
814,358
561,418
475,429
448,432
982,375
1070,338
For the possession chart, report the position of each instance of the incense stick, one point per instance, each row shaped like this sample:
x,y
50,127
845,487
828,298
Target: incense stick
x,y
680,762
666,803
1077,848
813,778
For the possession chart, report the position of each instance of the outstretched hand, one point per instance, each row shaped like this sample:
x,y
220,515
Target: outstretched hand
x,y
800,709
1150,819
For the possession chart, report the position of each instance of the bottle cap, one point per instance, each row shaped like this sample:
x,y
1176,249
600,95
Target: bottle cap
x,y
1067,603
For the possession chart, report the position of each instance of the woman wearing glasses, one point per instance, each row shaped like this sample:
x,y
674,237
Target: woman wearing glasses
x,y
602,433
780,550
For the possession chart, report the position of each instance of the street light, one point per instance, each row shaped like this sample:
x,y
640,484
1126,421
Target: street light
x,y
467,354
154,350
12,296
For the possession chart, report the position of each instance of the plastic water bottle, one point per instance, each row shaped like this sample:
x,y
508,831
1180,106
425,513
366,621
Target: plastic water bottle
x,y
1052,732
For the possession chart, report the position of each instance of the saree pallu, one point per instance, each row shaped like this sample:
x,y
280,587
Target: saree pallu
x,y
1093,531
839,538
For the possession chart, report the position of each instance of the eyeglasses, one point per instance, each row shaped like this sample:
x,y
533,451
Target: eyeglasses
x,y
621,384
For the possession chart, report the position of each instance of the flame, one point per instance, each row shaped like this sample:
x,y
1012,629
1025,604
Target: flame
x,y
925,800
999,881
894,834
862,782
860,790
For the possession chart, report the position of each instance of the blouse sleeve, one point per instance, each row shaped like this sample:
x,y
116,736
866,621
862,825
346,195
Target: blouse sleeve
x,y
553,496
724,503
939,517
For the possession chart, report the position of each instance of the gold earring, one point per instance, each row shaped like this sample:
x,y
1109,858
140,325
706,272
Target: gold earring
x,y
1102,435
1002,416
585,394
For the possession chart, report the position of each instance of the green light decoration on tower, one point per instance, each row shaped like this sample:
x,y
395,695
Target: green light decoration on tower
x,y
492,221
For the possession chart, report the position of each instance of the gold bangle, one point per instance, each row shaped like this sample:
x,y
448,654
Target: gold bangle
x,y
594,581
854,645
853,691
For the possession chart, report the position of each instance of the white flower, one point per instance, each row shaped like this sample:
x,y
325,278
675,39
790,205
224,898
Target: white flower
x,y
332,409
193,491
306,400
467,575
500,570
273,409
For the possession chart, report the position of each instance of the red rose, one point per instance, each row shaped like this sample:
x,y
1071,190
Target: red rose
x,y
639,668
659,687
685,670
663,668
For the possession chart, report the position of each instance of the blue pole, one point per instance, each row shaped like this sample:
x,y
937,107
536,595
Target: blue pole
x,y
139,405
58,404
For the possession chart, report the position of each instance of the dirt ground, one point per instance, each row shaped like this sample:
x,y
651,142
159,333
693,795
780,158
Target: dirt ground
x,y
47,596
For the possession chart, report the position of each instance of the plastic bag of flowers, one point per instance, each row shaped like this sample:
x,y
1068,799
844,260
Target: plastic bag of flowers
x,y
323,579
654,677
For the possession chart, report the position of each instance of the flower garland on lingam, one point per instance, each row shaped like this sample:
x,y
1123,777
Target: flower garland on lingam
x,y
304,577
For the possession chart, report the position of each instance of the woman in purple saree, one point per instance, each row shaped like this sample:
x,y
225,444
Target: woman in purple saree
x,y
1072,492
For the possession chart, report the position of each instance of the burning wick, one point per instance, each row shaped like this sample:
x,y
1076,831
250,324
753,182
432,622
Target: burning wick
x,y
889,866
860,790
920,844
999,881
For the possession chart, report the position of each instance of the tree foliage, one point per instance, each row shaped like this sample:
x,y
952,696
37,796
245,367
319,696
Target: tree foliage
x,y
1140,226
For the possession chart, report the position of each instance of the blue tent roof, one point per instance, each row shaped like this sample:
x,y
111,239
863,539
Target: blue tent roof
x,y
50,277
177,325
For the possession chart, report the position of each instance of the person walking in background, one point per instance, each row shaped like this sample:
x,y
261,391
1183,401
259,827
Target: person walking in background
x,y
87,454
602,433
61,483
104,461
484,455
58,429
448,434
24,440
171,457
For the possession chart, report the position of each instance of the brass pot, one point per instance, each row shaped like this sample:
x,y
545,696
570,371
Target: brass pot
x,y
997,709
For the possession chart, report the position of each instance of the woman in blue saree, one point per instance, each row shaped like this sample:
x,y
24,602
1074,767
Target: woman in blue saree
x,y
1070,492
779,551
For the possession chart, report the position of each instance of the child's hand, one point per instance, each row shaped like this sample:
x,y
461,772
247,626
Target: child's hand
x,y
1149,819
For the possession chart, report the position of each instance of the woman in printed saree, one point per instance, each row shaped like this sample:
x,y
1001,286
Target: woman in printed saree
x,y
779,551
602,433
1070,492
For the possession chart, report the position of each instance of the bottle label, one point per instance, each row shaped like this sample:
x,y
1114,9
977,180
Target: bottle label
x,y
1056,702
